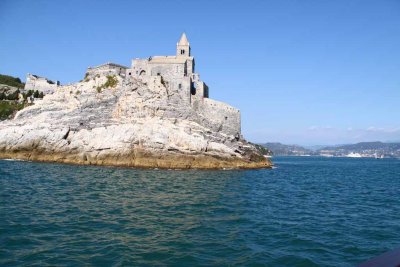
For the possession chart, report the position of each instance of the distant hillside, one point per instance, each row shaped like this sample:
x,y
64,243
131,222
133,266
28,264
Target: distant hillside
x,y
364,146
279,149
365,149
11,81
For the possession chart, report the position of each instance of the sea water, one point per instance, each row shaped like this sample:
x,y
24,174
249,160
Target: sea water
x,y
308,211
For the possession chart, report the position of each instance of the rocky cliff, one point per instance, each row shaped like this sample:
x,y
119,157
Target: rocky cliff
x,y
109,120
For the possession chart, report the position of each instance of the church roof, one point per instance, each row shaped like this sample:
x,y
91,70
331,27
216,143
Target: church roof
x,y
183,40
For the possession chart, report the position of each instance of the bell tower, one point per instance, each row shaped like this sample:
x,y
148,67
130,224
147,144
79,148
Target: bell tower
x,y
183,47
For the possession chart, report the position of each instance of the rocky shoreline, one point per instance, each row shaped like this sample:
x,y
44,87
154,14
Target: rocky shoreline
x,y
140,159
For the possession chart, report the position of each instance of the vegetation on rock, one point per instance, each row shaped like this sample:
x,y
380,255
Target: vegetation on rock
x,y
11,96
110,83
86,78
263,150
8,108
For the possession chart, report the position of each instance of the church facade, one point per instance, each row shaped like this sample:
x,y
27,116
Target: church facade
x,y
178,70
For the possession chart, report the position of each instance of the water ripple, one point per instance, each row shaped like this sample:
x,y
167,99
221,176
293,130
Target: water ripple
x,y
306,212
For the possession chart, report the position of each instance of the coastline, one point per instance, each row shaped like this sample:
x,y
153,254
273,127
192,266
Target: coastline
x,y
140,159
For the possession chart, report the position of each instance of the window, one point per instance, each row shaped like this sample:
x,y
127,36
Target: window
x,y
180,86
158,74
182,52
130,73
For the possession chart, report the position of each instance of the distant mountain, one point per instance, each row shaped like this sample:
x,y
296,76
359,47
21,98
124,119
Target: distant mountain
x,y
365,145
363,149
279,149
315,147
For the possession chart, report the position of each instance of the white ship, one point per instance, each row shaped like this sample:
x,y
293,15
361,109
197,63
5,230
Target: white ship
x,y
354,155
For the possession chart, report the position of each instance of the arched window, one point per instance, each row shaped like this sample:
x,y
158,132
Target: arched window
x,y
142,73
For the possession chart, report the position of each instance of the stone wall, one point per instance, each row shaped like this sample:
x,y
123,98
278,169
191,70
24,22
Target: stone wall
x,y
173,74
167,70
106,69
139,67
34,82
199,90
225,116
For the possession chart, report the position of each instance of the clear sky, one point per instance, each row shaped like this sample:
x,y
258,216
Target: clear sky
x,y
306,72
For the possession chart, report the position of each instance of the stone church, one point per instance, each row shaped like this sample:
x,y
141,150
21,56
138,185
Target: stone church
x,y
176,72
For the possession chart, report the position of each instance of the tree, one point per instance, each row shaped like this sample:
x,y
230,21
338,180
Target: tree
x,y
41,95
2,96
12,96
36,94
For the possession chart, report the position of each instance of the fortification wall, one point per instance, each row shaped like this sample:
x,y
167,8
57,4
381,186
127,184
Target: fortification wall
x,y
41,84
199,90
182,85
223,116
104,70
139,67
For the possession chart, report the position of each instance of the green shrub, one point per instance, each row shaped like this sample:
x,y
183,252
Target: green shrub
x,y
29,93
110,83
7,108
13,96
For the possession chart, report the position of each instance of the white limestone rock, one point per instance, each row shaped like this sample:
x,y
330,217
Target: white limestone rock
x,y
135,115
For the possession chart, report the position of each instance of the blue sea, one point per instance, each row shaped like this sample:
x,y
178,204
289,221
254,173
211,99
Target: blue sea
x,y
308,211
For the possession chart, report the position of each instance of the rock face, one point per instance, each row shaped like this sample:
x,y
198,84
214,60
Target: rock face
x,y
8,90
138,122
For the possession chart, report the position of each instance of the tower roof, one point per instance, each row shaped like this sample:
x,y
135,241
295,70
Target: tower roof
x,y
183,40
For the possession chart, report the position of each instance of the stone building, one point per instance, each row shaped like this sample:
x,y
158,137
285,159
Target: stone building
x,y
176,72
179,72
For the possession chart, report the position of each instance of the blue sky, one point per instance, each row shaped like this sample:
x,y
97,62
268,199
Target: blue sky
x,y
306,72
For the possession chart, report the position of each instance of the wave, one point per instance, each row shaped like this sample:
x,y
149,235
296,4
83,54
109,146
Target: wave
x,y
14,159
